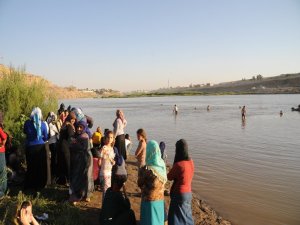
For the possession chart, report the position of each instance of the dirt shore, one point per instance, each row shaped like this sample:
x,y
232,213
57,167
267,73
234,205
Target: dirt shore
x,y
202,213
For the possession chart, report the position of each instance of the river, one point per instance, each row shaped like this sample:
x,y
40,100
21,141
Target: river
x,y
247,171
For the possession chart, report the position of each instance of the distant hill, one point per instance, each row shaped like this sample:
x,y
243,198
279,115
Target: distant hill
x,y
282,84
59,92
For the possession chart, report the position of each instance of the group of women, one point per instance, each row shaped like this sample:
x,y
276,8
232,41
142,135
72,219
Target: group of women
x,y
73,165
68,138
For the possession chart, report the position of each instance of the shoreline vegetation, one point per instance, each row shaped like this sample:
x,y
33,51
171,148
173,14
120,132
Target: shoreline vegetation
x,y
53,201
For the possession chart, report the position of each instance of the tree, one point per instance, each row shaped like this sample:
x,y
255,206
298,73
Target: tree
x,y
259,77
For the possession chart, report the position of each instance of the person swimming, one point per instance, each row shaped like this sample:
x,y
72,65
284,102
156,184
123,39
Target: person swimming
x,y
175,109
243,111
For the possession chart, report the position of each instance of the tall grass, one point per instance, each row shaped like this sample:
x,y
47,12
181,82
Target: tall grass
x,y
18,97
49,201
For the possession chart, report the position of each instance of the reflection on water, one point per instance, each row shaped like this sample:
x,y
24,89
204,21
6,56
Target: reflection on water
x,y
243,123
249,171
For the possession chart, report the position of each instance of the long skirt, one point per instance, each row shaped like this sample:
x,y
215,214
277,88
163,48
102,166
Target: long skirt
x,y
3,176
105,183
63,162
91,186
79,181
152,212
180,211
53,149
120,145
36,175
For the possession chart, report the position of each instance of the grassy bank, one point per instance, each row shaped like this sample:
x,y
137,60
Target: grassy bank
x,y
51,200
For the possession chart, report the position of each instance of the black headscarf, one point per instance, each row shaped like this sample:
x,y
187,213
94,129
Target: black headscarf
x,y
181,153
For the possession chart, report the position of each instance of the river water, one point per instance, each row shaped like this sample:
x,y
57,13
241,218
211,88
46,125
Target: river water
x,y
248,171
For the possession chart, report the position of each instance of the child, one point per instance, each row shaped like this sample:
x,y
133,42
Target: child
x,y
97,135
116,206
140,152
106,161
128,144
25,214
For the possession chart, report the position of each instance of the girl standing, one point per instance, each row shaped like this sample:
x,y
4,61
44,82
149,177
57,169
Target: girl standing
x,y
152,178
182,172
106,161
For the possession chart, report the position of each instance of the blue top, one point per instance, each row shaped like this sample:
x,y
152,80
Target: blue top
x,y
31,133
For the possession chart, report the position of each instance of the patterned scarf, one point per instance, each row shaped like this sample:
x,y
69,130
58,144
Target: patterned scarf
x,y
154,161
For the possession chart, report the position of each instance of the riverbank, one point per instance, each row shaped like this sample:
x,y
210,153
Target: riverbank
x,y
53,201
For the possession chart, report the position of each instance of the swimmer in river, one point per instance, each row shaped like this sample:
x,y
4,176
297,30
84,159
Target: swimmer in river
x,y
281,113
243,111
208,108
175,109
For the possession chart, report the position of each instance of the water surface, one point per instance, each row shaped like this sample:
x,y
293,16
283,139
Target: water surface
x,y
248,171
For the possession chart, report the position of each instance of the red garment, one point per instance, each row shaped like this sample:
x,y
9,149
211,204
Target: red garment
x,y
3,137
95,168
182,173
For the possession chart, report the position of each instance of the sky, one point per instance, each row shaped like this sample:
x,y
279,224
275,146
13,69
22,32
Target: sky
x,y
132,45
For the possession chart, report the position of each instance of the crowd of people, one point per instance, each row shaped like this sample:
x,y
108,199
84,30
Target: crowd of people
x,y
62,150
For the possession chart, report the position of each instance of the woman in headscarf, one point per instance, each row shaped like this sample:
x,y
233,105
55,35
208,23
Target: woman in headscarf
x,y
182,172
80,162
152,178
36,135
53,137
63,153
119,125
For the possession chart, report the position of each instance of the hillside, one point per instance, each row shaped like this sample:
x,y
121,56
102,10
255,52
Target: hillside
x,y
282,84
59,92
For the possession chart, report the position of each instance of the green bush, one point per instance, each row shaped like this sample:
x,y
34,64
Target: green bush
x,y
18,97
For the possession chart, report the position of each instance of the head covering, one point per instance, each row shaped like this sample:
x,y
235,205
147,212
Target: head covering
x,y
61,108
83,124
36,117
70,117
51,117
181,153
79,114
120,115
162,147
154,161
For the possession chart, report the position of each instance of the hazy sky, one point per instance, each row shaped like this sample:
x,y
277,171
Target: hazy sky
x,y
141,44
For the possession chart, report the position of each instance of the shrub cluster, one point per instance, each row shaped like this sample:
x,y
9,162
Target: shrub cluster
x,y
18,96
